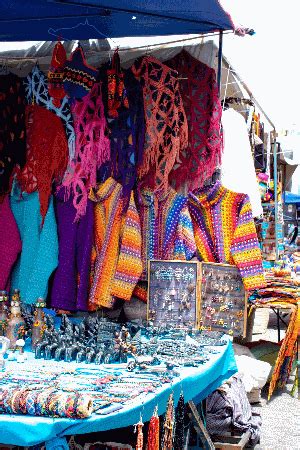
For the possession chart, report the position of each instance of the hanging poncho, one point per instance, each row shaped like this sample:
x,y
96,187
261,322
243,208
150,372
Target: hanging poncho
x,y
203,109
166,124
12,129
47,154
36,89
92,147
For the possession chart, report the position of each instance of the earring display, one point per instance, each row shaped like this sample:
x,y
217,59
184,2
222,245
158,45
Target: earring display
x,y
172,293
223,303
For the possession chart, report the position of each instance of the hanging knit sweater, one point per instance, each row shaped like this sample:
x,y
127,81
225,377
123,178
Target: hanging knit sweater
x,y
12,129
166,124
225,232
39,256
71,280
47,154
10,242
116,257
167,229
200,96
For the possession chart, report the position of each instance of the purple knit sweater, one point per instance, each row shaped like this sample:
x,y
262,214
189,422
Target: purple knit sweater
x,y
10,242
71,280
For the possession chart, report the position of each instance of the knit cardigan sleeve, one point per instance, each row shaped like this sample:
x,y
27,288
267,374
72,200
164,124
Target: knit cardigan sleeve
x,y
185,246
245,248
129,266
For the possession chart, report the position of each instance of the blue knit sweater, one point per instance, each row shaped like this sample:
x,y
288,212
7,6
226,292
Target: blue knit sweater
x,y
39,256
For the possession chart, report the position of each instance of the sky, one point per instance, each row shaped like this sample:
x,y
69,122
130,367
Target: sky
x,y
269,61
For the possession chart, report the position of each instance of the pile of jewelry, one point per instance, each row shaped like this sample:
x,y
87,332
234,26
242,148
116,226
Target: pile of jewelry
x,y
66,390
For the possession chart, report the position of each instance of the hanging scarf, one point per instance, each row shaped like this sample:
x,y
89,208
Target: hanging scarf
x,y
56,74
166,124
92,147
12,129
200,95
47,154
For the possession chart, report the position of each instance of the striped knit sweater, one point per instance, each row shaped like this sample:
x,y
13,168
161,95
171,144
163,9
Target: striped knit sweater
x,y
167,230
225,232
116,256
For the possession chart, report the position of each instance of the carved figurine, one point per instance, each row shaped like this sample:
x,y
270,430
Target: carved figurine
x,y
16,324
39,324
3,312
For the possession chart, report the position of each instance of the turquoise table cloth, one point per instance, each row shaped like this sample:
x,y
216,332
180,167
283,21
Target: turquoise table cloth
x,y
195,383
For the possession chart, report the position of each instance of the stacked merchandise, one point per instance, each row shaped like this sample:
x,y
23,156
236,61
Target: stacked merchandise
x,y
282,291
94,166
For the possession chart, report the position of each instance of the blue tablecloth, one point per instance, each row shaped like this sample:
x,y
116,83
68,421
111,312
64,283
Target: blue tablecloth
x,y
196,383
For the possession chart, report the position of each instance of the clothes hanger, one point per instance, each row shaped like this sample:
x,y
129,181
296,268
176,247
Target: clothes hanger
x,y
58,33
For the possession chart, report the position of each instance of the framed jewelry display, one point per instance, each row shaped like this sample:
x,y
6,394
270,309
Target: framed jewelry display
x,y
223,301
173,293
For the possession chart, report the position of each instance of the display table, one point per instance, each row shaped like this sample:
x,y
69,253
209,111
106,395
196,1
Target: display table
x,y
195,383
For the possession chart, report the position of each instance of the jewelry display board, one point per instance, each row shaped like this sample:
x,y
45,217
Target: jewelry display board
x,y
172,293
223,302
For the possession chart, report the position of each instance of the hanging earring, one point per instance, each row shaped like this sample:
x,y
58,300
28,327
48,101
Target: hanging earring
x,y
140,437
153,432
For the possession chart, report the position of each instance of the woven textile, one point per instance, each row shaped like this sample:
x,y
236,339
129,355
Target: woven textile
x,y
92,147
71,281
36,89
225,231
126,131
166,124
200,96
47,154
116,258
39,256
10,242
167,229
12,129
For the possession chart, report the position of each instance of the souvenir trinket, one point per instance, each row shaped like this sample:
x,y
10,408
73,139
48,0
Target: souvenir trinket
x,y
16,324
3,312
39,324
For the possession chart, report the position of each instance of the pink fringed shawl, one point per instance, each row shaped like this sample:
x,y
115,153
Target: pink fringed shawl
x,y
166,124
201,102
92,147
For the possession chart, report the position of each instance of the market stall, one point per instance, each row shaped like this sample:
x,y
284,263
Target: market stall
x,y
109,198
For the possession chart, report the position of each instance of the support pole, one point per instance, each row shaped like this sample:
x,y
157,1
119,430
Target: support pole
x,y
220,55
276,197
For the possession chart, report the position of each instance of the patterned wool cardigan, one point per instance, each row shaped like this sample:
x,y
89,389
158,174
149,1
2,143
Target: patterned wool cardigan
x,y
167,229
116,256
225,231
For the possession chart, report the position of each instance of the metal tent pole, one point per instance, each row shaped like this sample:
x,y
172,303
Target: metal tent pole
x,y
220,56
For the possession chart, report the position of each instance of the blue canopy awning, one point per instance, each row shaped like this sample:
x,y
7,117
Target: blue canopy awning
x,y
289,197
40,20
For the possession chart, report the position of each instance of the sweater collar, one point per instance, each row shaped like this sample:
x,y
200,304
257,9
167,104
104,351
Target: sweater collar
x,y
104,191
148,197
210,195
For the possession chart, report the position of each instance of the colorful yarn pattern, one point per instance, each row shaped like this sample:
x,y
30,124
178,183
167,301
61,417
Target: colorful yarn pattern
x,y
167,229
116,258
92,147
200,96
225,231
166,124
36,89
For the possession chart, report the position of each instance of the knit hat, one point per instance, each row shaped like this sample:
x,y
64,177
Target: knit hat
x,y
56,74
79,77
